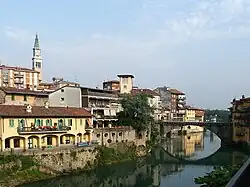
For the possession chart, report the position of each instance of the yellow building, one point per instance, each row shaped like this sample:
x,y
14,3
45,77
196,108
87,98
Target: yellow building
x,y
27,127
14,96
240,113
189,114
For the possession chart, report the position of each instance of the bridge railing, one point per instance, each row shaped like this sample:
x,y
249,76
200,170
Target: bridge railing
x,y
241,178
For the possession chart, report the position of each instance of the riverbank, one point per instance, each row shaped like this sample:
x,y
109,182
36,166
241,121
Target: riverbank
x,y
19,169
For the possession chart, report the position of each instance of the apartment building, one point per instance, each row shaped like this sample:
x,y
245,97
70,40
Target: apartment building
x,y
35,127
15,96
103,104
240,116
154,101
18,77
173,99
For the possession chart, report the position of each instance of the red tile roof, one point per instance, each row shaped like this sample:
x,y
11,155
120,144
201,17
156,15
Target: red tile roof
x,y
24,91
42,111
175,91
144,91
17,68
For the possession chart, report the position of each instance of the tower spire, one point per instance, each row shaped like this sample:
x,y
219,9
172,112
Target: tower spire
x,y
36,44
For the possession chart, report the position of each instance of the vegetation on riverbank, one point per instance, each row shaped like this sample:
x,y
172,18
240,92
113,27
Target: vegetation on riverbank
x,y
17,169
219,177
122,152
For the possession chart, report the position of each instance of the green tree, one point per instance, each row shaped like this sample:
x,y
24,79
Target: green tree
x,y
136,112
222,115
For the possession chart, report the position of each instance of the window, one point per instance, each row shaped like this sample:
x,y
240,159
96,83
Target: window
x,y
13,97
62,98
62,90
11,123
25,97
69,122
125,86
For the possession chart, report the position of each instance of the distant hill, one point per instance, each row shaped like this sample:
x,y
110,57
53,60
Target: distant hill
x,y
222,115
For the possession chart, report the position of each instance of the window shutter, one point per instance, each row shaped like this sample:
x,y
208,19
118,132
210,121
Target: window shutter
x,y
41,122
50,122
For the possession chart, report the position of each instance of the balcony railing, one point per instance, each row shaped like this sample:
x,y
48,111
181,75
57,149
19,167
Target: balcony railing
x,y
42,129
104,95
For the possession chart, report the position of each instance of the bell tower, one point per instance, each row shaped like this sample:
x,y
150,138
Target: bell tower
x,y
37,58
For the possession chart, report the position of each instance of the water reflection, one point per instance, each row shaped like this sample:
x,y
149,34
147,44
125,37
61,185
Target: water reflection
x,y
157,170
192,146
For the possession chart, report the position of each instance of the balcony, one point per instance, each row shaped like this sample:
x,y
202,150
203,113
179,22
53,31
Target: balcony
x,y
42,129
98,95
18,75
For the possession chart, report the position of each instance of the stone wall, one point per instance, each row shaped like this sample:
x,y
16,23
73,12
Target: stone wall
x,y
65,160
107,136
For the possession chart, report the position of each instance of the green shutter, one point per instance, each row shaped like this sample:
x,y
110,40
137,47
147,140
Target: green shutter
x,y
50,122
64,122
41,122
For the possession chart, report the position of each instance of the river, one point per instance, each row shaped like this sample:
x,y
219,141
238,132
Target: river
x,y
202,151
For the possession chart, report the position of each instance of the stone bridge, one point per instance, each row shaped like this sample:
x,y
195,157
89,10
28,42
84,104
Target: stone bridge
x,y
220,157
223,130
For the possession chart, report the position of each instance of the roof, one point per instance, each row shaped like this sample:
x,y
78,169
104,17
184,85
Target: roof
x,y
36,44
145,91
194,108
41,111
15,68
126,75
24,91
199,113
112,81
175,91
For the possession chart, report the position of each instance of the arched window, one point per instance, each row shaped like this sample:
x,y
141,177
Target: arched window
x,y
38,122
22,123
60,123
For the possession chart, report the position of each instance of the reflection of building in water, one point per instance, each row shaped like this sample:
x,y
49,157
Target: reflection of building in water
x,y
185,145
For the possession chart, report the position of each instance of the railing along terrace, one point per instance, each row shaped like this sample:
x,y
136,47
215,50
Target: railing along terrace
x,y
43,129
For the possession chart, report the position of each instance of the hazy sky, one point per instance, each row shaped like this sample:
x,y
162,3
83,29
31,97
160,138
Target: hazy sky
x,y
201,47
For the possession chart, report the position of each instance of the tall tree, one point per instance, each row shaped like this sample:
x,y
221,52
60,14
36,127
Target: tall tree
x,y
136,112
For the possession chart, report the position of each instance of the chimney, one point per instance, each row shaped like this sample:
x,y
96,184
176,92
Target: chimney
x,y
29,108
243,97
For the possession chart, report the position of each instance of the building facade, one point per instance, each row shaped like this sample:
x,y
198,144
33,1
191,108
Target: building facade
x,y
14,96
66,96
27,127
240,115
103,104
173,99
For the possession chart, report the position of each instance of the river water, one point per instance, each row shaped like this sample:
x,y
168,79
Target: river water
x,y
201,151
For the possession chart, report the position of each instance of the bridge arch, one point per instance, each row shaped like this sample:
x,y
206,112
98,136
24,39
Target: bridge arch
x,y
222,130
219,157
